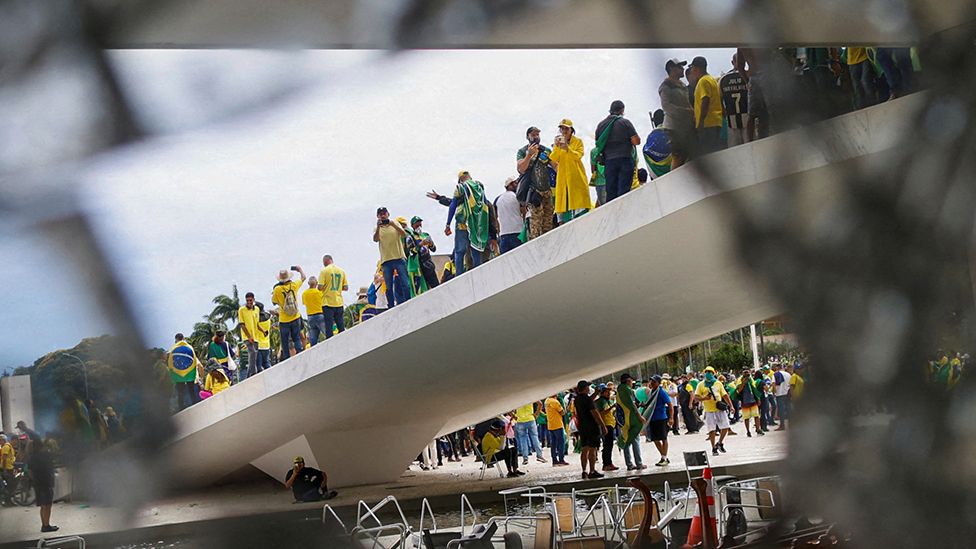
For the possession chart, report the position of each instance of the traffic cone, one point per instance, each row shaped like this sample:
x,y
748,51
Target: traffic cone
x,y
695,532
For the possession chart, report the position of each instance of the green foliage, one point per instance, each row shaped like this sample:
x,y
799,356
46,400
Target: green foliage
x,y
730,358
101,361
780,348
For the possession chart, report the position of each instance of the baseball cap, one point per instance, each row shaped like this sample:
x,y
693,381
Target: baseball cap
x,y
462,172
601,387
381,209
509,181
656,378
497,424
710,369
401,220
566,122
415,219
298,459
673,61
666,376
699,62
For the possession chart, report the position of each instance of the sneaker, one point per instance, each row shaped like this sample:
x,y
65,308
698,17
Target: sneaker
x,y
49,528
662,463
594,474
585,476
749,434
642,467
721,448
610,468
520,473
512,474
714,450
667,461
760,433
525,461
631,467
541,459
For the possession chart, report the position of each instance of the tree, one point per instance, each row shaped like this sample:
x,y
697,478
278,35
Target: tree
x,y
730,358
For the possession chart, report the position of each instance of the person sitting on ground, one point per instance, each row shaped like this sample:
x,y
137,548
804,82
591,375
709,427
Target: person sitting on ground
x,y
307,483
494,446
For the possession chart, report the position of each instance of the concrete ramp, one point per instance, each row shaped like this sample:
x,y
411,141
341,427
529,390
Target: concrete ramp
x,y
648,274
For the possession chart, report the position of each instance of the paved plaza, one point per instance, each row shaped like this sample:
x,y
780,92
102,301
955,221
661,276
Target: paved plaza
x,y
447,482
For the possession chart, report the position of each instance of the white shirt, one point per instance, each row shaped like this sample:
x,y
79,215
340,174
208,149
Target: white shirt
x,y
509,214
782,388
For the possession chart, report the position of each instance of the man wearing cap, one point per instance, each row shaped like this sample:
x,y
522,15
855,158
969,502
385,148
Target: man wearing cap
x,y
679,117
308,483
425,274
247,315
472,221
510,217
285,296
332,282
393,258
534,159
608,409
710,393
708,107
615,141
494,446
632,424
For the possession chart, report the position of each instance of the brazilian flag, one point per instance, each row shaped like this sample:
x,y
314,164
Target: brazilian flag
x,y
631,428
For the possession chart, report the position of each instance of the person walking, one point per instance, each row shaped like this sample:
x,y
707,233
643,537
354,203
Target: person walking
x,y
332,282
393,258
615,141
716,404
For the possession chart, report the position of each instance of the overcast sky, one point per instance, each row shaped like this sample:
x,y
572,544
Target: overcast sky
x,y
228,193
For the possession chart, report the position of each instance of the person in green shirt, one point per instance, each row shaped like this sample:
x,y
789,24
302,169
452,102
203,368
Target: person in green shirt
x,y
419,246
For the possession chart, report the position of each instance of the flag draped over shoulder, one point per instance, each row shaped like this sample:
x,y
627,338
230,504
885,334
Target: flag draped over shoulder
x,y
182,362
473,212
631,428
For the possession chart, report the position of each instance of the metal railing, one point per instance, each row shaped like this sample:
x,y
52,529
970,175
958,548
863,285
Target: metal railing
x,y
474,515
59,542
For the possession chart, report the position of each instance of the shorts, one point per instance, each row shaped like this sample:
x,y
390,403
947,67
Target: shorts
x,y
716,420
589,438
45,495
750,411
658,429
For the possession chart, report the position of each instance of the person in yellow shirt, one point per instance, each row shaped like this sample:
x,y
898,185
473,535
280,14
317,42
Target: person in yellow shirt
x,y
608,409
862,77
708,106
332,282
557,433
526,433
285,296
494,446
7,458
796,383
216,380
572,191
247,316
393,258
312,299
713,396
263,339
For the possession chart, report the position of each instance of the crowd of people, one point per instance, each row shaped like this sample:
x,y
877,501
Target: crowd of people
x,y
613,416
700,113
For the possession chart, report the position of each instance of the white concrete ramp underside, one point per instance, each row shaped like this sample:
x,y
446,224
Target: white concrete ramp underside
x,y
648,274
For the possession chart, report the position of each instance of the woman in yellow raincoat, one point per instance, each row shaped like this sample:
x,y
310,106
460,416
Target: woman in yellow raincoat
x,y
572,186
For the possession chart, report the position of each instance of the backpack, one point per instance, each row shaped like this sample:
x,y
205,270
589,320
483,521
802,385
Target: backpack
x,y
290,305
